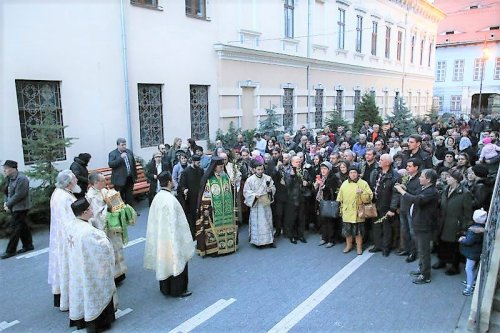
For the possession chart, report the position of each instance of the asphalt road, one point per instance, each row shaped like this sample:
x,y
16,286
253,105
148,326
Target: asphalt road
x,y
297,288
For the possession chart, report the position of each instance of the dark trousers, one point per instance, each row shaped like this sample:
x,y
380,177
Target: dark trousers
x,y
20,231
423,240
295,220
278,214
175,285
328,229
382,234
126,191
406,233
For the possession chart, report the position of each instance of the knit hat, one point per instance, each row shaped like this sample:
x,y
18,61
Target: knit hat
x,y
480,216
327,164
457,175
354,168
487,140
480,171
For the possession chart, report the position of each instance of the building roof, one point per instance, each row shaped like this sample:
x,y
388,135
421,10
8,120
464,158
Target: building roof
x,y
468,21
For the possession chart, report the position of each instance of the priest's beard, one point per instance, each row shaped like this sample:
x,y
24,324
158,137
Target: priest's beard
x,y
76,189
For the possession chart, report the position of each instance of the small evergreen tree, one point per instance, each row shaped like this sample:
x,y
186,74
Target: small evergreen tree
x,y
402,118
367,110
271,124
46,145
335,119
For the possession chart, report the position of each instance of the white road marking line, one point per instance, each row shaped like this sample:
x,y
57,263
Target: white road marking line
x,y
319,295
33,254
203,316
4,324
135,241
120,313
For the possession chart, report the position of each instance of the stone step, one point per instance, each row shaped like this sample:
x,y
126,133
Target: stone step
x,y
496,301
494,322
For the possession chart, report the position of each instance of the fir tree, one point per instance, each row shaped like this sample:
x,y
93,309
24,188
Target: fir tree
x,y
271,124
402,119
45,147
367,110
335,119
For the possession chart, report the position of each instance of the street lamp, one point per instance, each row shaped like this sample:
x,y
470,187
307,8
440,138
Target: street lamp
x,y
486,55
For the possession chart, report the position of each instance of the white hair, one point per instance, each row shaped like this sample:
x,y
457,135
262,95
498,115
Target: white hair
x,y
64,178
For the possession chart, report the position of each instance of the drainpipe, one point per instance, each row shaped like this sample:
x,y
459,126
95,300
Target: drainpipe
x,y
125,78
404,53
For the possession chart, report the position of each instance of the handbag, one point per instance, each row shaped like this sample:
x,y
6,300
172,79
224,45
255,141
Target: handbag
x,y
367,210
329,208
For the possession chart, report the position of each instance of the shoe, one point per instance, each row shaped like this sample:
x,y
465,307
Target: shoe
x,y
329,245
451,271
277,234
374,250
26,249
120,279
438,265
411,257
468,291
186,294
402,253
421,279
385,253
293,241
464,283
272,245
303,240
415,273
7,255
322,242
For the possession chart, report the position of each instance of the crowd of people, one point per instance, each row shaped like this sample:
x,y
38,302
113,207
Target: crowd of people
x,y
410,195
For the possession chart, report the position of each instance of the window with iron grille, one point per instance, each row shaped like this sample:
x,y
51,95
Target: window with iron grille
x,y
288,109
198,98
412,51
441,71
422,43
151,3
458,70
341,29
400,43
34,98
150,114
478,68
387,42
196,8
374,37
339,100
496,75
318,103
456,103
359,33
289,7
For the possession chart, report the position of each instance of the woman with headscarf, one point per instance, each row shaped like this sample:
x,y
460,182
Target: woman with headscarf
x,y
463,163
216,229
465,146
480,186
456,217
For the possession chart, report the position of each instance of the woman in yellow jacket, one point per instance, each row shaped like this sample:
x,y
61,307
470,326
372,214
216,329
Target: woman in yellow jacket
x,y
352,193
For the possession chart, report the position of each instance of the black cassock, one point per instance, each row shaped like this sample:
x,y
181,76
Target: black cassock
x,y
190,180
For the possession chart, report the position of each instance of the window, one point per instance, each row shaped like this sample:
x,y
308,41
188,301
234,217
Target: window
x,y
374,37
441,71
359,33
412,51
318,103
456,103
496,75
387,42
357,99
37,99
289,18
478,69
341,29
288,109
440,103
458,70
150,114
152,3
339,100
198,96
422,42
196,8
400,42
431,46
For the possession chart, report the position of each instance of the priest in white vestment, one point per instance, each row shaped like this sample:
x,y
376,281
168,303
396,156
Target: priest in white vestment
x,y
95,195
169,244
60,214
259,191
90,264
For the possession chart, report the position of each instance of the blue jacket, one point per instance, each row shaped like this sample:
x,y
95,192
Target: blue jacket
x,y
472,245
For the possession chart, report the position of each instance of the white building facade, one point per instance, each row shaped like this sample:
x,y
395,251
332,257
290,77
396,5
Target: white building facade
x,y
152,70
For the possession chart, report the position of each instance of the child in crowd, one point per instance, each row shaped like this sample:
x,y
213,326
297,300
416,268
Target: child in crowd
x,y
471,246
489,151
